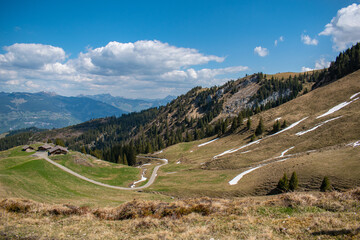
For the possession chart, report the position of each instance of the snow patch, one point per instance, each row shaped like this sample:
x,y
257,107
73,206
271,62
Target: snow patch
x,y
258,141
246,151
289,127
206,143
236,179
277,119
143,178
317,126
354,95
355,144
337,108
237,149
283,153
178,162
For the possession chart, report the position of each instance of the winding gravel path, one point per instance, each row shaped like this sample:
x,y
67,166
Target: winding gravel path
x,y
44,155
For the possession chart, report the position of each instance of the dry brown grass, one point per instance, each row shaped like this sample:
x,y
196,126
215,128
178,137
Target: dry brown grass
x,y
313,215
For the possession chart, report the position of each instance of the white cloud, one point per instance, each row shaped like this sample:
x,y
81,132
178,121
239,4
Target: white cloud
x,y
31,84
141,57
262,52
344,28
31,56
139,69
322,63
306,39
306,69
281,39
319,64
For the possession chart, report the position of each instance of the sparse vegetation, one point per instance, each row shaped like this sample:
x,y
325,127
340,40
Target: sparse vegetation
x,y
292,215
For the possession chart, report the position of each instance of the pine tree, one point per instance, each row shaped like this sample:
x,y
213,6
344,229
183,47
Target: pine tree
x,y
260,128
276,126
240,119
284,125
325,185
283,183
120,160
59,142
248,124
293,184
49,141
125,162
83,150
234,125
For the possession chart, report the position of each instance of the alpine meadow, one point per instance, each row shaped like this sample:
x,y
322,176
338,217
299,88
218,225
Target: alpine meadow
x,y
218,130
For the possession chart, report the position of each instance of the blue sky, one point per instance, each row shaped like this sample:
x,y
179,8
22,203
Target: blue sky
x,y
151,49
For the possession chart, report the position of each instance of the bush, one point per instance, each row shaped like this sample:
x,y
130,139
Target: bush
x,y
293,184
325,185
283,184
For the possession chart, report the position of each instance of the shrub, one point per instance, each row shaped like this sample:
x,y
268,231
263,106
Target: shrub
x,y
325,185
283,184
293,184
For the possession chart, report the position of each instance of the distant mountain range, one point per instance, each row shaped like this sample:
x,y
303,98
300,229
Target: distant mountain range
x,y
48,110
130,105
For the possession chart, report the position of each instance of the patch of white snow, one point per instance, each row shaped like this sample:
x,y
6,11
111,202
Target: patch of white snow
x,y
354,95
337,108
206,143
317,126
283,153
178,162
289,127
143,178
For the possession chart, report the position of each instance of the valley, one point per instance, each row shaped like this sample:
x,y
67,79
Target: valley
x,y
208,158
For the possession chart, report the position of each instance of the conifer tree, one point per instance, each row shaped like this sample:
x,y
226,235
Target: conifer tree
x,y
234,125
284,125
260,128
293,184
276,126
240,119
83,150
283,183
325,185
124,160
248,124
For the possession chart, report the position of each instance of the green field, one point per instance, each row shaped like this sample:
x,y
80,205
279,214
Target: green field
x,y
101,171
24,176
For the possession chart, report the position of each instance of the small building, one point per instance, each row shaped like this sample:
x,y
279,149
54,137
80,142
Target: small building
x,y
58,150
27,148
45,147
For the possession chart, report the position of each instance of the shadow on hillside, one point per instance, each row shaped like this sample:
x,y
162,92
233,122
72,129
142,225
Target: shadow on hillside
x,y
352,232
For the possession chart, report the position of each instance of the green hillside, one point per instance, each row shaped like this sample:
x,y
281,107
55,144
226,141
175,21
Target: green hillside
x,y
24,176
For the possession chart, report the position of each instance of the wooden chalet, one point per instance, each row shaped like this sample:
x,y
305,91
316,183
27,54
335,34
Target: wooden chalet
x,y
45,147
27,148
58,150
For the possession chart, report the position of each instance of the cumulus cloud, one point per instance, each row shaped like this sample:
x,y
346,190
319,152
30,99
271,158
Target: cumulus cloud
x,y
141,57
31,56
344,28
262,52
306,39
319,64
139,69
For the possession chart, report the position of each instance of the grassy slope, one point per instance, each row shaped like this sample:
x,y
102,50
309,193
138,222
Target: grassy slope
x,y
27,177
334,159
288,216
105,172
